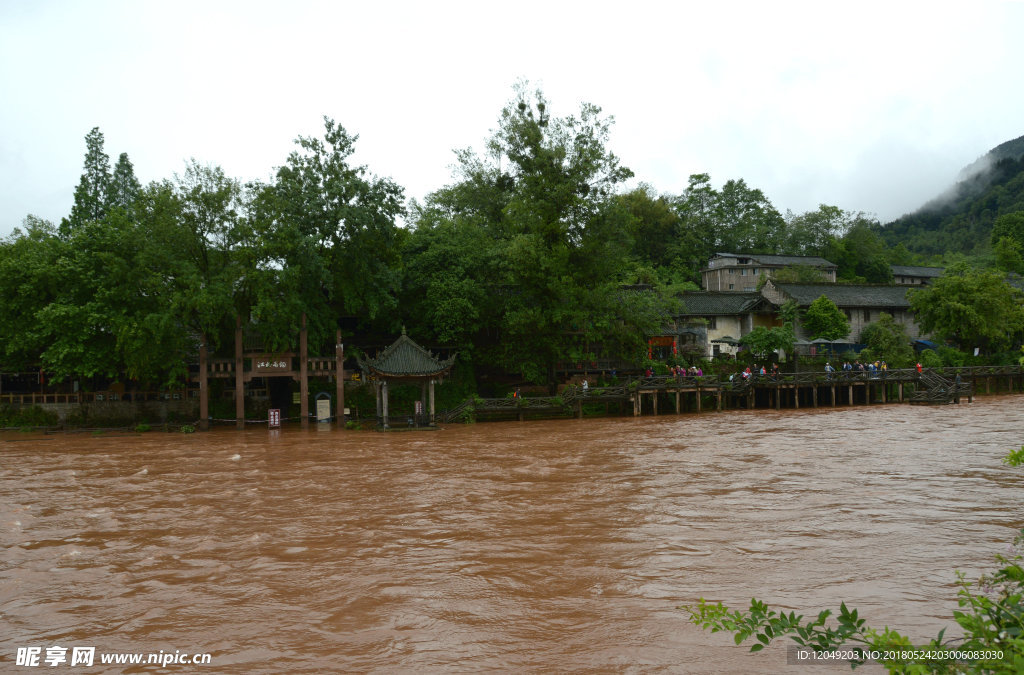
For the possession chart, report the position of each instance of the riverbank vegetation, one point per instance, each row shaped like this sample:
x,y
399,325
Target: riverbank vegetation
x,y
536,254
991,615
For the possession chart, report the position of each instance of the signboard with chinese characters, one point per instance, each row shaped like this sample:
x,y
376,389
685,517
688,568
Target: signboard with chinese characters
x,y
271,364
274,418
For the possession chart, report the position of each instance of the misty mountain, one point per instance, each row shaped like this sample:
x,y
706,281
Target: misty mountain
x,y
960,220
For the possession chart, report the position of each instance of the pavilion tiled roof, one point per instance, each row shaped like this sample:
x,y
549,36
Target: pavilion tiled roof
x,y
405,358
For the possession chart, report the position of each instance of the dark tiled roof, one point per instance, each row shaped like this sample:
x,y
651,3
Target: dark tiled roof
x,y
705,303
912,271
405,358
848,295
770,259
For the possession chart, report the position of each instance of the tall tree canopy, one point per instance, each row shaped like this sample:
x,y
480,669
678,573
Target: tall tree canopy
x,y
326,240
974,308
552,247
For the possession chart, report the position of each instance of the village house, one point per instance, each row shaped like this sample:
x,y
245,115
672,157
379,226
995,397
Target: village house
x,y
862,304
740,272
714,322
910,275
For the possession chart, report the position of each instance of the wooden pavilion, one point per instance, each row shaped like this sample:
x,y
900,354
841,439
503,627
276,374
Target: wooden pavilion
x,y
405,362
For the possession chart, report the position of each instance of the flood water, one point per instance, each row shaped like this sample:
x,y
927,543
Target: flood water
x,y
560,545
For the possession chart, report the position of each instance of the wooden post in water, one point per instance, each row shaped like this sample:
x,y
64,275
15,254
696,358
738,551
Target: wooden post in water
x,y
851,394
677,401
204,390
654,401
303,374
239,377
339,376
901,392
698,398
814,395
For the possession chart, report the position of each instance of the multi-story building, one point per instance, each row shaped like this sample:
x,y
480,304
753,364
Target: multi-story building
x,y
740,272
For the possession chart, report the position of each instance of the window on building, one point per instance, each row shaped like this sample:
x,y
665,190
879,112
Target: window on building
x,y
744,261
743,272
867,315
731,286
711,322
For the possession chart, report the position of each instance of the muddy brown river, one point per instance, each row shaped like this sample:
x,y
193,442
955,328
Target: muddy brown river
x,y
553,546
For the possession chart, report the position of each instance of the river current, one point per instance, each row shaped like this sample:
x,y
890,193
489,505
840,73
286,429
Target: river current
x,y
562,545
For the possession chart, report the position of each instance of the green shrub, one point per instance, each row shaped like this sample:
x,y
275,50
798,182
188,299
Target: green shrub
x,y
991,615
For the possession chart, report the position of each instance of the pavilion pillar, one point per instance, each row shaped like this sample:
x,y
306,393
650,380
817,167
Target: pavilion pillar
x,y
423,398
204,390
339,376
303,375
376,397
384,402
239,377
431,389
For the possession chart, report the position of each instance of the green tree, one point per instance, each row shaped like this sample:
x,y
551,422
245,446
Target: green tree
x,y
762,341
826,321
887,339
1008,255
124,187
326,240
812,233
93,190
556,237
973,308
1009,225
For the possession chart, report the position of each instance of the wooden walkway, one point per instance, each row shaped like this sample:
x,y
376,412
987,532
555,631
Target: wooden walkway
x,y
665,394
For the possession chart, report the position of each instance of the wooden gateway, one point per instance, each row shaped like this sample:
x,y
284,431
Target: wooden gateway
x,y
405,362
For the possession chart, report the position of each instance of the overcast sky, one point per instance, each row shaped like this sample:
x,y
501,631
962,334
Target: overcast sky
x,y
867,106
